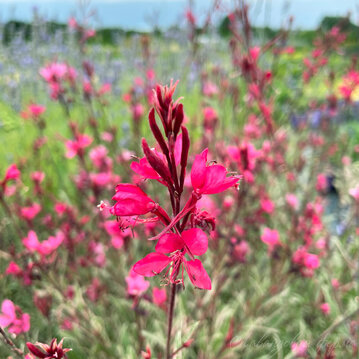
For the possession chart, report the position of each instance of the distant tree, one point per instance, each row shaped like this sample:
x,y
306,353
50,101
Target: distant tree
x,y
343,23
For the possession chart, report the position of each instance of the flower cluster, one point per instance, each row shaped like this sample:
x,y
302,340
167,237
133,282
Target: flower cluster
x,y
180,240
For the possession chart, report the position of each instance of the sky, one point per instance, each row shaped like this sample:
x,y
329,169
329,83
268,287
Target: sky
x,y
142,14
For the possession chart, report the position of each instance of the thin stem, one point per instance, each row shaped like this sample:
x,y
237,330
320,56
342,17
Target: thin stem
x,y
170,320
11,344
341,320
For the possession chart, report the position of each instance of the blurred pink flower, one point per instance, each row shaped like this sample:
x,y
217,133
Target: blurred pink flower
x,y
44,248
241,251
13,269
159,296
72,23
300,350
105,88
311,261
335,283
322,183
292,200
37,176
267,205
29,213
12,317
210,89
76,147
354,192
136,284
271,238
54,71
325,308
33,111
12,173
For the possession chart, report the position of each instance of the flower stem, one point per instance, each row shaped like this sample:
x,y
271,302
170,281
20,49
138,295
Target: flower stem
x,y
11,344
170,320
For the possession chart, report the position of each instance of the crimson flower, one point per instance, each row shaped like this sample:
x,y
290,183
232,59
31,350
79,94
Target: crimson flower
x,y
131,201
210,179
193,242
52,351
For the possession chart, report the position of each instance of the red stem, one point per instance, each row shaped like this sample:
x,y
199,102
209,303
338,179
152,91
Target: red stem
x,y
170,320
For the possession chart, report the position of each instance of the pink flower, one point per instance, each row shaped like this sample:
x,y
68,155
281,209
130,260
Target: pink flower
x,y
241,250
105,88
210,179
36,110
31,242
51,244
245,155
159,296
354,192
77,146
12,173
54,71
267,205
87,87
60,208
210,118
209,114
107,136
193,242
144,169
322,183
44,248
29,213
190,17
101,179
137,111
13,318
13,269
37,176
131,201
94,290
335,283
292,200
210,89
136,284
321,243
254,52
270,237
300,349
311,261
325,308
99,157
89,33
98,252
118,233
72,23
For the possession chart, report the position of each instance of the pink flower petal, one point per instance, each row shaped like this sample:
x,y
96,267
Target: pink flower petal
x,y
198,275
199,169
169,242
215,175
196,240
151,265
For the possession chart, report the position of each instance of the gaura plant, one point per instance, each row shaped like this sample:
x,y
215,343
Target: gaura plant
x,y
182,239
